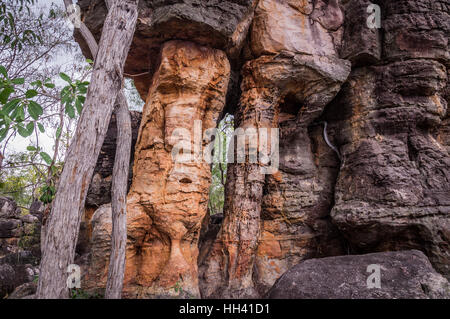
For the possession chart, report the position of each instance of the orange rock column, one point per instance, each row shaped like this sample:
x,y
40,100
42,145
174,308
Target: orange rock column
x,y
168,200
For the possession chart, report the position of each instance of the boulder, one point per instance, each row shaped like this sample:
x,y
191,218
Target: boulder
x,y
403,275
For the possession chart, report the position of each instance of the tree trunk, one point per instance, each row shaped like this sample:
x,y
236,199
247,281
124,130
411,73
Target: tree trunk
x,y
116,269
67,209
120,178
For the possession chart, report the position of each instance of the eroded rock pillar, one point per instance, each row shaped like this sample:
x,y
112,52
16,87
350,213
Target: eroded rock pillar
x,y
294,58
168,199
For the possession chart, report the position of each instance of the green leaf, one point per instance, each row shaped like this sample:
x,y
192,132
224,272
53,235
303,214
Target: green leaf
x,y
31,148
70,110
37,83
65,77
82,89
35,110
79,105
89,61
31,93
18,115
23,131
4,95
30,127
81,98
49,85
41,127
4,133
58,132
46,158
10,106
3,71
18,81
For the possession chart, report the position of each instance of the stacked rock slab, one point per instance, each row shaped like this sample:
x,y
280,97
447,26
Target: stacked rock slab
x,y
219,24
273,221
168,199
394,184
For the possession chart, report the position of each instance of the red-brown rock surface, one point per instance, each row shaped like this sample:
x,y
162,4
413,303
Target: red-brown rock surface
x,y
273,222
296,66
168,200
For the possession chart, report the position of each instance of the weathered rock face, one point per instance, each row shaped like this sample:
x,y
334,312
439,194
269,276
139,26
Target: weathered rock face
x,y
100,189
394,184
19,246
17,230
297,65
273,222
404,275
168,199
218,24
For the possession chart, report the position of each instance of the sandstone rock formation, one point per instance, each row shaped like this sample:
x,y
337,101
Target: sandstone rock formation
x,y
219,24
295,72
168,198
19,246
100,189
312,69
394,184
403,274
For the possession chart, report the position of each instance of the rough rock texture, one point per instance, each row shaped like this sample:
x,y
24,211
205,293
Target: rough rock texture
x,y
17,230
404,275
19,246
100,189
168,200
221,24
296,65
275,221
394,184
25,291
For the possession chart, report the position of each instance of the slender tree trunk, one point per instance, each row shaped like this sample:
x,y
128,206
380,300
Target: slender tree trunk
x,y
67,209
120,178
114,284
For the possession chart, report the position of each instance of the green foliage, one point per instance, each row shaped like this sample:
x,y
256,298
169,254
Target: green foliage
x,y
219,165
18,111
9,35
73,95
48,194
18,180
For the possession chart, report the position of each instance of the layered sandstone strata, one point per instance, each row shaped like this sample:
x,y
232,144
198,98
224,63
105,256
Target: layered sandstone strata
x,y
394,184
386,186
